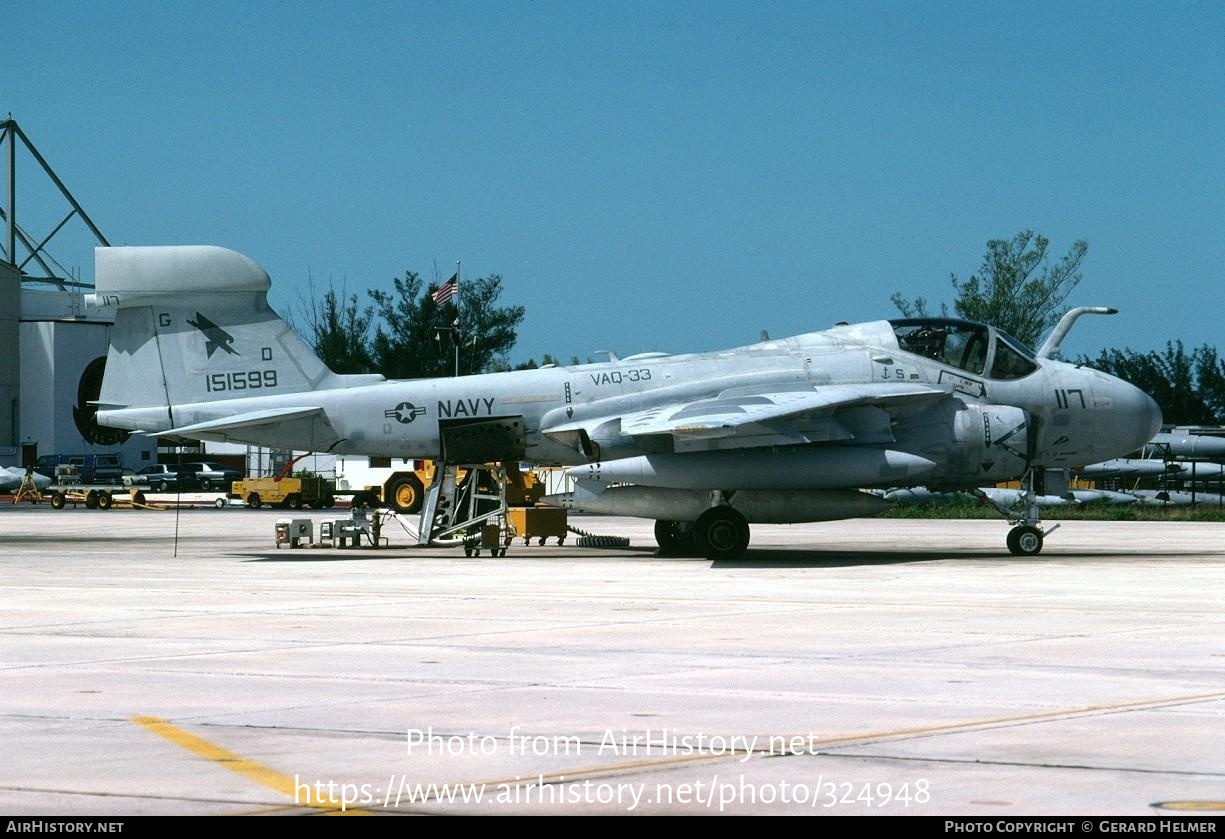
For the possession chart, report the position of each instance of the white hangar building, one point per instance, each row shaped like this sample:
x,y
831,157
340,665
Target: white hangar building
x,y
52,349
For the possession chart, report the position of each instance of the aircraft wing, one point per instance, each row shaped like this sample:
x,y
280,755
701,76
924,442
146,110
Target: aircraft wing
x,y
236,421
743,418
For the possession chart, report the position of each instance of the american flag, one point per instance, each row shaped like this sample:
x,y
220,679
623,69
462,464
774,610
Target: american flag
x,y
447,290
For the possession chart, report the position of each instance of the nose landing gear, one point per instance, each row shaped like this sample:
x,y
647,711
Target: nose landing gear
x,y
1025,540
1026,536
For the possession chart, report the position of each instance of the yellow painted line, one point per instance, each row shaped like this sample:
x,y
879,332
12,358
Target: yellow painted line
x,y
591,772
1044,716
249,769
1191,806
286,786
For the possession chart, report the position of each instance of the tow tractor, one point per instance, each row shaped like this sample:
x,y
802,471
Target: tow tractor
x,y
383,481
285,491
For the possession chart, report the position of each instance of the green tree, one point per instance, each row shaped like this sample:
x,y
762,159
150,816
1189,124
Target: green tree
x,y
1210,379
339,333
418,337
1187,386
546,360
1015,289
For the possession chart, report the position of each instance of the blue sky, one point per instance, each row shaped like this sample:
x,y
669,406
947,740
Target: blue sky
x,y
647,176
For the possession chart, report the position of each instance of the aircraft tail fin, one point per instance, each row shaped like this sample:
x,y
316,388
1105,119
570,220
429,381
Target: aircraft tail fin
x,y
193,325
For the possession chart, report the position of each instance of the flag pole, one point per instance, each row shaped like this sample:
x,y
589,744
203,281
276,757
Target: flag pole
x,y
455,333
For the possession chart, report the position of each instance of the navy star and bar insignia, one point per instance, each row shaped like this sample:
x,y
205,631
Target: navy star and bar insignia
x,y
405,412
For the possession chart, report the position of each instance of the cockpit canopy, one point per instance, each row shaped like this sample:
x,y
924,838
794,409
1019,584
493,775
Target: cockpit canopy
x,y
973,347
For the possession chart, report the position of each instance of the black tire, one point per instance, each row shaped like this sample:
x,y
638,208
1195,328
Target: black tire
x,y
293,501
91,500
1025,540
674,537
206,484
104,500
160,486
58,500
253,501
721,533
138,498
329,501
219,503
406,494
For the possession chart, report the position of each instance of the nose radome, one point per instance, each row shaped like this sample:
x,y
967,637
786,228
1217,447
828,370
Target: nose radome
x,y
1136,417
1154,415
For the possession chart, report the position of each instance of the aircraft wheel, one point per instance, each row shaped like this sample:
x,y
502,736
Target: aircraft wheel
x,y
721,533
1025,541
253,501
104,500
674,537
406,494
58,500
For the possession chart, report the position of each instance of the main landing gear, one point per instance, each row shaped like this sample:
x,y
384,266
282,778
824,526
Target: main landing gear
x,y
1026,536
720,532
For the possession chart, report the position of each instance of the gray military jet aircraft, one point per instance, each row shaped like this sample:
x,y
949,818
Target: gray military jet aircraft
x,y
12,476
784,430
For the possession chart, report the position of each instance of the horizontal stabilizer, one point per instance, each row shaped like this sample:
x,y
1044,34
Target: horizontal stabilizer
x,y
140,276
248,420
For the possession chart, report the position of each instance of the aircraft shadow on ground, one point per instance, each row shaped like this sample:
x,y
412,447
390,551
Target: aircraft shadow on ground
x,y
810,558
300,555
753,559
404,552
